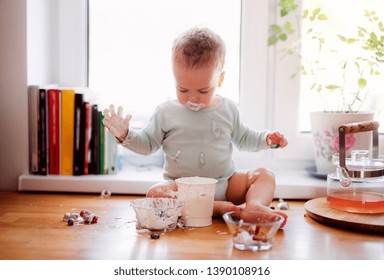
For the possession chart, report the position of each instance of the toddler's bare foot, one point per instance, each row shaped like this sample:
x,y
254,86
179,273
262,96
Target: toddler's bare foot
x,y
285,216
222,207
263,208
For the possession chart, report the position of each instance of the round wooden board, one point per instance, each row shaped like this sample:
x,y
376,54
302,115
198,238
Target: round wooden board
x,y
319,210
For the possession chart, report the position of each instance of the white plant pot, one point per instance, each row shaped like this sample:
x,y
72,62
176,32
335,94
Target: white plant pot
x,y
325,134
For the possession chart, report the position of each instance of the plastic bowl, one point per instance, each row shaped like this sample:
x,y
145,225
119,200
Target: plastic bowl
x,y
157,213
253,231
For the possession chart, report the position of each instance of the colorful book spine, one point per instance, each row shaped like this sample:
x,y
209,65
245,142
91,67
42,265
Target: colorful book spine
x,y
95,142
42,133
33,126
54,131
87,136
112,154
102,143
79,135
67,130
106,150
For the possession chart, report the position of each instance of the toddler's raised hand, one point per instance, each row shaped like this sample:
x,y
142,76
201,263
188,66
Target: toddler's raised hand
x,y
275,139
116,123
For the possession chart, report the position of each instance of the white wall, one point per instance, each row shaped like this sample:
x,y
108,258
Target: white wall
x,y
13,93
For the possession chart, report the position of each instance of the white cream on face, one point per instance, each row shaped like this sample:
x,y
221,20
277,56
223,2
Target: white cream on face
x,y
195,106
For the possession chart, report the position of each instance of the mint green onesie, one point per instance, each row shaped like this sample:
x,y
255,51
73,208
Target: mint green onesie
x,y
196,143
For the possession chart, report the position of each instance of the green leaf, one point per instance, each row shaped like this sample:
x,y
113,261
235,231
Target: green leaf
x,y
316,11
332,87
362,83
288,27
276,28
272,40
287,6
283,36
373,40
283,12
342,38
381,26
362,29
322,17
357,65
303,71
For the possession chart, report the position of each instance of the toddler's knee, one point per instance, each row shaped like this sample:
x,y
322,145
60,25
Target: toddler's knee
x,y
255,174
152,192
266,172
162,190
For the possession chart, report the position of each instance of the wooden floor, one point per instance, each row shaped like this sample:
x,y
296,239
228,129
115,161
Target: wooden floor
x,y
31,227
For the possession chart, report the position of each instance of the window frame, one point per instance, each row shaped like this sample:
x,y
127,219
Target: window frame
x,y
286,90
270,77
52,28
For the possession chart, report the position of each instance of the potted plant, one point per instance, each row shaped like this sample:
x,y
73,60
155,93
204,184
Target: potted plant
x,y
343,89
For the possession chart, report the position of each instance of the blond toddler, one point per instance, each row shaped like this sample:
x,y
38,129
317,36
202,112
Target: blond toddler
x,y
197,131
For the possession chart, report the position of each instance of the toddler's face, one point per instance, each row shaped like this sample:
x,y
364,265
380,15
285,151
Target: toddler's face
x,y
195,88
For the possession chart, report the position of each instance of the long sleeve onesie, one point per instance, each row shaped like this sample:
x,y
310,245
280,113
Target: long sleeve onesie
x,y
196,143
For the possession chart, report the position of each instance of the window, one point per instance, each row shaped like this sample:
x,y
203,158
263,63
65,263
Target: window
x,y
268,97
291,101
334,53
130,48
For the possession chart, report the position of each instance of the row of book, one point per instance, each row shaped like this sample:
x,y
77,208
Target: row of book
x,y
67,135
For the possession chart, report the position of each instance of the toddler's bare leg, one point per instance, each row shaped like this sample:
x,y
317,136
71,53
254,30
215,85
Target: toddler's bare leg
x,y
221,207
256,188
163,189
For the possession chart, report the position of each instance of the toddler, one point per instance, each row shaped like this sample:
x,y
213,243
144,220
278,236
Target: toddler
x,y
197,131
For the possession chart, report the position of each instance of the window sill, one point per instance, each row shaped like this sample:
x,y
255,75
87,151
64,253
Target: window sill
x,y
291,183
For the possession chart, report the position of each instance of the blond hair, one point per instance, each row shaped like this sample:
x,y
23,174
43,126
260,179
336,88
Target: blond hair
x,y
199,47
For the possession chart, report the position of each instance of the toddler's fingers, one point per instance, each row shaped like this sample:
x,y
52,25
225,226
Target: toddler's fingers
x,y
106,123
112,110
106,113
272,139
278,134
284,142
285,216
120,111
127,119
